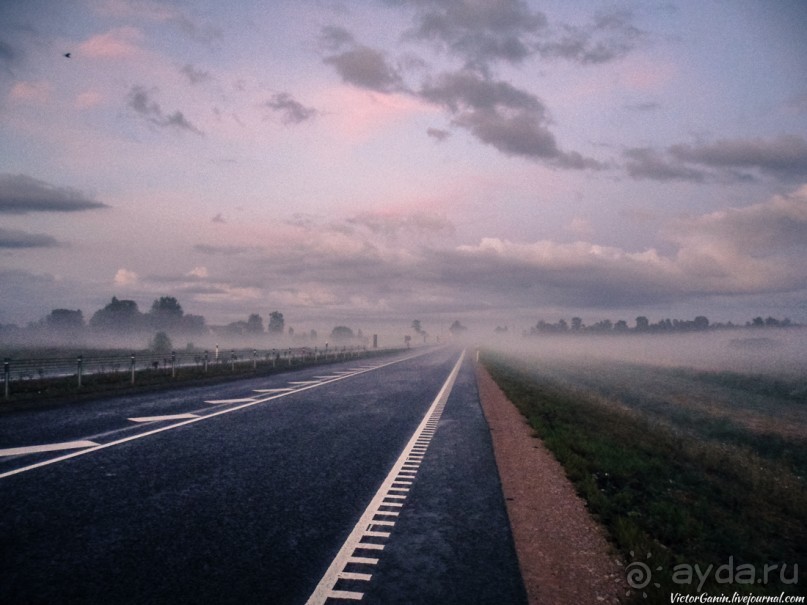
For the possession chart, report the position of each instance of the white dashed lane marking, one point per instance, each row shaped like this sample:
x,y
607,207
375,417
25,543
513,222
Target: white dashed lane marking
x,y
49,447
162,418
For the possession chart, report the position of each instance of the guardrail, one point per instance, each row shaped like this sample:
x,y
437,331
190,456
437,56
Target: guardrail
x,y
129,369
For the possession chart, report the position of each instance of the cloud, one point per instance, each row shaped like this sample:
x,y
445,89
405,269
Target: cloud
x,y
21,194
30,92
737,251
13,239
483,33
391,224
728,159
118,43
293,111
365,67
646,163
480,32
610,36
784,156
332,38
125,277
438,134
195,76
512,120
140,101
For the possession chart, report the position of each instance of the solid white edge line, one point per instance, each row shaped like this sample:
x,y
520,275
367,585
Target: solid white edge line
x,y
325,588
162,429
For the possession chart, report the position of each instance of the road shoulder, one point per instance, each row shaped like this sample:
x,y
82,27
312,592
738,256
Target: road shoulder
x,y
564,555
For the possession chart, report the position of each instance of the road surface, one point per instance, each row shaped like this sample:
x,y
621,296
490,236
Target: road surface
x,y
365,481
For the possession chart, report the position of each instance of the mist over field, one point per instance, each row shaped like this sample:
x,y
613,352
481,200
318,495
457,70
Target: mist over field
x,y
776,351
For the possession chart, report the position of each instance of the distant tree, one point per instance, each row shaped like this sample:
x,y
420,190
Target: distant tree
x,y
239,327
255,324
161,343
621,326
276,323
456,328
701,323
291,332
341,334
577,324
642,324
416,326
65,320
118,316
166,313
313,335
758,322
500,330
193,324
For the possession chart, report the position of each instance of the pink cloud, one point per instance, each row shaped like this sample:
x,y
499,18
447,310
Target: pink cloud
x,y
118,43
30,92
359,114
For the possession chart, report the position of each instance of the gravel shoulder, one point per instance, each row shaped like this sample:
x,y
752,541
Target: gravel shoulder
x,y
564,555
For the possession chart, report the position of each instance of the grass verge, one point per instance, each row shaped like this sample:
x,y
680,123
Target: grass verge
x,y
688,515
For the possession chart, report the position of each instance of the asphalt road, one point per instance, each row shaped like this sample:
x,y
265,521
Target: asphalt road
x,y
247,492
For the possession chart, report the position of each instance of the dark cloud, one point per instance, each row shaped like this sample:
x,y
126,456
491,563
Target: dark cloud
x,y
611,36
646,163
480,32
7,53
391,224
642,107
469,89
437,133
195,76
784,156
517,134
223,250
366,67
140,100
728,159
332,38
20,194
11,238
512,120
293,111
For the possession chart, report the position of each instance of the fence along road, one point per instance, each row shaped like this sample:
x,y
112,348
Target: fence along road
x,y
252,505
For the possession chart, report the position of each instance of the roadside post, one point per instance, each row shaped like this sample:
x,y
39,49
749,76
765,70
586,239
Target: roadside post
x,y
133,369
6,375
79,367
173,364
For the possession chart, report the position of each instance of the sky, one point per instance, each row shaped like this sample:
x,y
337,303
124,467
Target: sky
x,y
380,161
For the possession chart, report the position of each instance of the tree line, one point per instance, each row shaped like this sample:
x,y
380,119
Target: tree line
x,y
166,316
644,326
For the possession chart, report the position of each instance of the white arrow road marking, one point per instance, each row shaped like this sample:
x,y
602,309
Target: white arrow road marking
x,y
49,447
159,418
283,390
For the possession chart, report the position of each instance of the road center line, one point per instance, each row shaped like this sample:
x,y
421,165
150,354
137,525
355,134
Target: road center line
x,y
250,402
326,588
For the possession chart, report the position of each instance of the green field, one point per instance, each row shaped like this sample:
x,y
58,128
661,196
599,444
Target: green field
x,y
698,476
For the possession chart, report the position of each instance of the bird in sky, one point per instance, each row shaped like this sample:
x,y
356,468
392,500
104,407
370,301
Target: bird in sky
x,y
67,55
